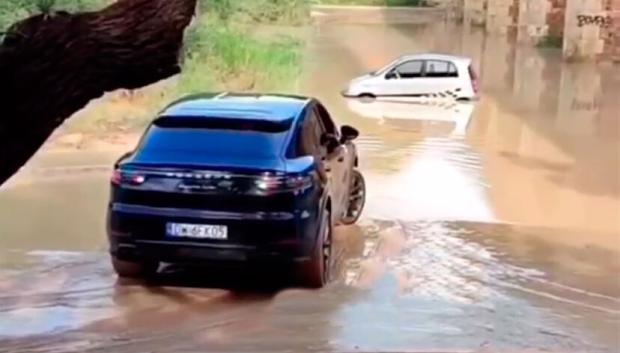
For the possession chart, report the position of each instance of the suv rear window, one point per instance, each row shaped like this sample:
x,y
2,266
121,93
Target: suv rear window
x,y
223,137
224,123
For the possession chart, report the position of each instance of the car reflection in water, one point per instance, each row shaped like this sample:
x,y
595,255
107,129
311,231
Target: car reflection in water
x,y
413,112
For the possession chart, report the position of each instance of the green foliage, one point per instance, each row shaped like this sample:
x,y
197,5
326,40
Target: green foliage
x,y
281,11
45,6
223,9
224,57
224,50
550,41
220,50
223,54
10,13
259,11
14,10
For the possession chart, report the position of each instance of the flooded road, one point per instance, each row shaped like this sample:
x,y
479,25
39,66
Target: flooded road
x,y
490,227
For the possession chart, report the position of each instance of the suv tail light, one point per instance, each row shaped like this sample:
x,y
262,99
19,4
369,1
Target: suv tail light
x,y
116,177
474,79
270,184
119,177
217,182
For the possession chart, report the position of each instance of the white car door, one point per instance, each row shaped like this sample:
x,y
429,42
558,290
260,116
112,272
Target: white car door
x,y
405,79
441,77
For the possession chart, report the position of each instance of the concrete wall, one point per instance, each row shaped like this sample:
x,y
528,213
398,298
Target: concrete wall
x,y
591,29
541,18
533,20
611,33
501,16
556,17
475,12
454,8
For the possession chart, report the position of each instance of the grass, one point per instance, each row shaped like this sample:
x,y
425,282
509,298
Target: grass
x,y
14,10
236,60
259,11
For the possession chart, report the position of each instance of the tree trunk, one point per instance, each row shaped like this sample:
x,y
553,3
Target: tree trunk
x,y
52,65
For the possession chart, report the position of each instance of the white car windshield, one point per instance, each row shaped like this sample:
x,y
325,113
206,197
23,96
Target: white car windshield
x,y
386,67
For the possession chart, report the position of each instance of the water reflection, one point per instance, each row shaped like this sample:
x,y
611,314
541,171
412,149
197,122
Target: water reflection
x,y
437,178
539,150
404,114
545,132
461,270
404,285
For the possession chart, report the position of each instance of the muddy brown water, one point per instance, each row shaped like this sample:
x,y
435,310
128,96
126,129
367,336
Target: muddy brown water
x,y
490,227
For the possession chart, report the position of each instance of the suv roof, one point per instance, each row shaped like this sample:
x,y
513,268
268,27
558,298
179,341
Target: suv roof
x,y
252,106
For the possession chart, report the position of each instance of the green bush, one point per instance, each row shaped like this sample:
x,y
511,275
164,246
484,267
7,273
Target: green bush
x,y
258,11
222,54
550,42
225,57
12,11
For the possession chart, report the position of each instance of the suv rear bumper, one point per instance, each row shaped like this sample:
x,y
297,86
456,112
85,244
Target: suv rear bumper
x,y
138,233
197,253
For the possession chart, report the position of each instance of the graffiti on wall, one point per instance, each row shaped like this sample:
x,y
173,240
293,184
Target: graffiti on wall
x,y
585,105
594,20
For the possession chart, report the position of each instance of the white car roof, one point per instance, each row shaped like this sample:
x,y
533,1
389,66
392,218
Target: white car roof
x,y
431,56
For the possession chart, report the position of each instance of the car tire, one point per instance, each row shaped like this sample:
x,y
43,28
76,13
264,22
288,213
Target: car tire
x,y
357,194
130,269
315,272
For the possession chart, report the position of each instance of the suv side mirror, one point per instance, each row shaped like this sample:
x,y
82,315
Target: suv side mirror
x,y
349,133
391,75
330,142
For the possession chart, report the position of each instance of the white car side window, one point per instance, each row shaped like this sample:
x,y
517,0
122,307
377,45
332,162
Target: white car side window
x,y
439,69
409,69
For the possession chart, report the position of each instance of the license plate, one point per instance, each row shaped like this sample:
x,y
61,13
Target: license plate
x,y
197,231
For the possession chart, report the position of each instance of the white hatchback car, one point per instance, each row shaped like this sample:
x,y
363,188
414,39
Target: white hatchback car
x,y
423,75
